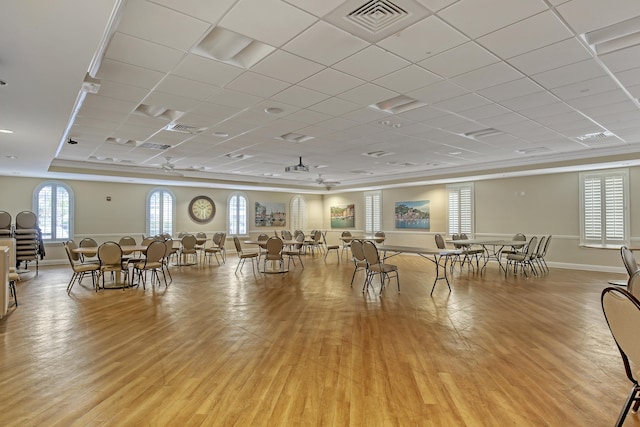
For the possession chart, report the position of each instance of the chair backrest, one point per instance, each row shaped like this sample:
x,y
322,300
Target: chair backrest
x,y
5,220
346,234
546,245
201,235
216,239
317,236
223,239
188,242
370,253
69,246
622,312
274,246
167,236
88,242
127,241
26,219
299,240
440,242
110,253
156,251
633,284
628,260
456,237
286,235
296,232
541,244
168,248
147,241
357,250
262,237
380,236
531,247
520,238
237,244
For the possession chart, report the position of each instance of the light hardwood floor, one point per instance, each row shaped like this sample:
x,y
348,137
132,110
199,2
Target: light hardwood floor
x,y
304,348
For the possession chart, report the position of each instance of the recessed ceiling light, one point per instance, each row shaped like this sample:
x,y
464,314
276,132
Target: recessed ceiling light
x,y
455,153
221,134
320,166
11,157
271,174
273,110
6,131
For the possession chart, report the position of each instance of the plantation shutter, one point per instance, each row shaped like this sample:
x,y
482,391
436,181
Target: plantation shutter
x,y
372,212
460,199
604,200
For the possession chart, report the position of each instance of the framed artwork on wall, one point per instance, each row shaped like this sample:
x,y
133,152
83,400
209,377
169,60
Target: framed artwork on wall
x,y
270,214
415,215
343,216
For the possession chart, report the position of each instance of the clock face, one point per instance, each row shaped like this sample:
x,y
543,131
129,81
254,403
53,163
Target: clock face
x,y
202,209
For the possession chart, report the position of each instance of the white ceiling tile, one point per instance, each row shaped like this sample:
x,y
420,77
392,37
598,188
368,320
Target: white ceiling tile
x,y
232,98
337,123
167,28
334,107
308,116
142,53
284,66
338,44
205,70
530,101
459,60
300,96
545,110
549,57
422,113
318,8
128,74
621,60
436,5
485,111
371,63
205,10
437,92
284,21
407,79
629,77
435,36
189,88
488,76
586,87
588,15
462,103
331,82
511,90
174,102
599,99
532,33
257,85
569,74
121,91
366,115
367,94
617,108
478,17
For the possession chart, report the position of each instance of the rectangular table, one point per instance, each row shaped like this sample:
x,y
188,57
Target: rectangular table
x,y
432,254
492,248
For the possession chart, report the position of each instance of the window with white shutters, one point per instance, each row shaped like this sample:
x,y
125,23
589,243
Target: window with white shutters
x,y
161,209
372,211
460,203
298,213
53,206
237,214
604,218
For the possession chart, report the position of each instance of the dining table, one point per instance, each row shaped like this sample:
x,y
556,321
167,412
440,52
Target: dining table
x,y
440,257
492,248
126,249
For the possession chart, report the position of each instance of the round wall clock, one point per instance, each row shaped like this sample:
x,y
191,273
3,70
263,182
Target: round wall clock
x,y
202,209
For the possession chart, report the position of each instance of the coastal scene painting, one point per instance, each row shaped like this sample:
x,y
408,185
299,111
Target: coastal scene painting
x,y
413,214
270,214
343,216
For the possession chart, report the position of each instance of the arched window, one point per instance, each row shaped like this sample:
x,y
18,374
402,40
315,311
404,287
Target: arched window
x,y
298,213
53,205
161,212
237,214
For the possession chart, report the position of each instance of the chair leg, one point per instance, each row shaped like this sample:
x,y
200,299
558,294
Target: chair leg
x,y
627,404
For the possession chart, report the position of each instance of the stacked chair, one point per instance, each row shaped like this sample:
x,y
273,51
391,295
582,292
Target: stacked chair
x,y
29,245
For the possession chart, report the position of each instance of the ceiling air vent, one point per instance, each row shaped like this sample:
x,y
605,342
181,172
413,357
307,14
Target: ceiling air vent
x,y
362,172
193,130
375,20
482,133
155,146
597,135
378,153
294,137
156,112
533,150
123,141
397,104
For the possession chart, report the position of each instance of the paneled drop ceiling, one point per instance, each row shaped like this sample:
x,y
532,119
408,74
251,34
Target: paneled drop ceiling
x,y
366,92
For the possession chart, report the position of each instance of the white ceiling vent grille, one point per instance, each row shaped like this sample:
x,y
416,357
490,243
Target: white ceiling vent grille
x,y
155,146
375,20
533,150
482,133
232,48
295,137
595,136
396,105
378,153
177,127
123,141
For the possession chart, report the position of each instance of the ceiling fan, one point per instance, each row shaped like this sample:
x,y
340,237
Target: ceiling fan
x,y
328,183
169,167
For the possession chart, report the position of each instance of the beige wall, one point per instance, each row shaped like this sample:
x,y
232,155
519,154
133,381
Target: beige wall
x,y
535,205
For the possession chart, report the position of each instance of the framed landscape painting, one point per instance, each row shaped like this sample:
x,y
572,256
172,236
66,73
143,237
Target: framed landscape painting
x,y
413,215
270,214
343,216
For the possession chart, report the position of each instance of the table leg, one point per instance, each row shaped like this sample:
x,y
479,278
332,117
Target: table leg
x,y
436,259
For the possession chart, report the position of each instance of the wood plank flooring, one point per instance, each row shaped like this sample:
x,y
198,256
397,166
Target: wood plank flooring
x,y
304,348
